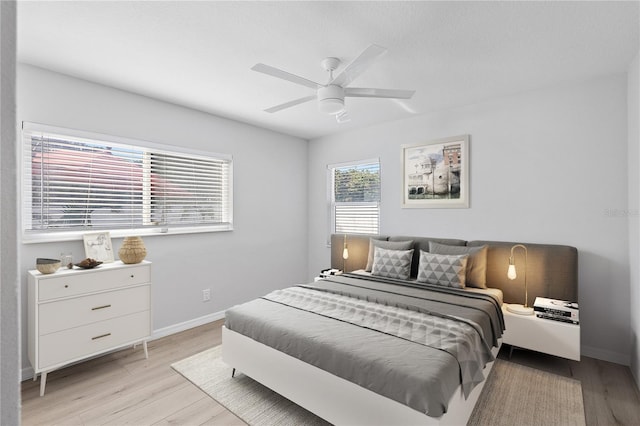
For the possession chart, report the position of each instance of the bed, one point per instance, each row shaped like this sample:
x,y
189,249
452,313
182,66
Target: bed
x,y
364,348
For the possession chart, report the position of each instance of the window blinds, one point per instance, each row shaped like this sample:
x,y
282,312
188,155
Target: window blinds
x,y
73,183
356,198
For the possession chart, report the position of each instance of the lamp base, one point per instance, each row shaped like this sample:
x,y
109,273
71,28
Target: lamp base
x,y
519,309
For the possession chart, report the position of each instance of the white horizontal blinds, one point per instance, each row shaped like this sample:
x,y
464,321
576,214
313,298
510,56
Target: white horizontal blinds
x,y
83,184
188,190
356,198
356,219
77,184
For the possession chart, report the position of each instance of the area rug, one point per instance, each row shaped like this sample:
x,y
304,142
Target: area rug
x,y
513,395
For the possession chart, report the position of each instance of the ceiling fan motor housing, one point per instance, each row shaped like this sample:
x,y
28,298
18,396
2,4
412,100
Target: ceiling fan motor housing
x,y
331,99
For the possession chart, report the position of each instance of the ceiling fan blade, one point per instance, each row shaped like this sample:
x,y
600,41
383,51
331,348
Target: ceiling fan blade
x,y
343,116
290,104
358,65
278,73
362,92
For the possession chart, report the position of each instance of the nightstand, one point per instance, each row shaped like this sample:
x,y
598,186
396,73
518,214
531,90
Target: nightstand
x,y
542,335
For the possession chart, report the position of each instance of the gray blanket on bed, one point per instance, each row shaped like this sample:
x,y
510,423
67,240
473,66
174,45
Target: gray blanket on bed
x,y
402,357
460,338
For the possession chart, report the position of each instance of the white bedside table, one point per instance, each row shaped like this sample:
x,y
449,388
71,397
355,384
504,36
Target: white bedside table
x,y
542,335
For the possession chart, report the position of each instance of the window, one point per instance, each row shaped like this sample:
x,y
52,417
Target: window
x,y
355,197
74,182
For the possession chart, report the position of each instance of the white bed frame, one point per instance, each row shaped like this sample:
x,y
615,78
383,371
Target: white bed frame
x,y
334,399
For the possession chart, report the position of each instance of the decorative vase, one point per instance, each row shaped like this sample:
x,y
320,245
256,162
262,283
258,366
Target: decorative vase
x,y
132,250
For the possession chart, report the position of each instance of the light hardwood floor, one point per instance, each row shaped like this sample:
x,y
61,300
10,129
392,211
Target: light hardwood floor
x,y
125,388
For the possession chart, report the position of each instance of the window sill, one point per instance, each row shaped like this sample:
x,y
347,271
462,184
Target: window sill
x,y
121,233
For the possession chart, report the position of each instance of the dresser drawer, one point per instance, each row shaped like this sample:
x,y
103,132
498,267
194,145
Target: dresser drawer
x,y
63,314
92,339
80,282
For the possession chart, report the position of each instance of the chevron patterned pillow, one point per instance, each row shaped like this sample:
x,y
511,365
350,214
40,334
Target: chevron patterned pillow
x,y
442,269
392,263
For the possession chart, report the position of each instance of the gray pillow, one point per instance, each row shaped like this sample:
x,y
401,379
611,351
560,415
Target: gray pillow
x,y
392,263
476,263
389,245
442,269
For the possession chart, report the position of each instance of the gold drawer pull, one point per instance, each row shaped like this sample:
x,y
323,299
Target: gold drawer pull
x,y
101,336
100,307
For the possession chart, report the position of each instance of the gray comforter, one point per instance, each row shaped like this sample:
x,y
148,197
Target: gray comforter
x,y
415,345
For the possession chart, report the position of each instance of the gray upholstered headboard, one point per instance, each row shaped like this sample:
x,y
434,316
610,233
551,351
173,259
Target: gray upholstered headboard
x,y
552,270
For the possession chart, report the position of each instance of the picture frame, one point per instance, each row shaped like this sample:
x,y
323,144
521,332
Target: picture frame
x,y
436,174
97,245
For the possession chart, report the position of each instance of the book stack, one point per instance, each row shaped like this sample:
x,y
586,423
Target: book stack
x,y
329,272
557,310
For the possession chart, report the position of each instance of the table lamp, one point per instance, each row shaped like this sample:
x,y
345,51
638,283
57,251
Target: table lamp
x,y
512,275
345,254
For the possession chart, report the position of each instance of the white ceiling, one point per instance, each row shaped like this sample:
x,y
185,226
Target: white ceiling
x,y
199,54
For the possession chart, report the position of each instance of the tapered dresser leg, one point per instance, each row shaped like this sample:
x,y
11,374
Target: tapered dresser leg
x,y
43,382
146,352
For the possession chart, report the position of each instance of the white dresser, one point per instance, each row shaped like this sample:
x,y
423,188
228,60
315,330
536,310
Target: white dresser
x,y
80,313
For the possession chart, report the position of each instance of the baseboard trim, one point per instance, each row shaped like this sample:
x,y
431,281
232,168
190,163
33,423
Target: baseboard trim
x,y
186,325
605,355
27,373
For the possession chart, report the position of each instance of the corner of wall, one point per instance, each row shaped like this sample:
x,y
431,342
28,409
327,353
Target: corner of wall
x,y
9,299
633,134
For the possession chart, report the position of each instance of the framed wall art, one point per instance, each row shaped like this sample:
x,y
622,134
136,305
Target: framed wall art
x,y
97,245
436,174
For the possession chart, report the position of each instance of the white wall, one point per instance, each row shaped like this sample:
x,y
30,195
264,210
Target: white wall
x,y
266,250
633,113
547,166
9,321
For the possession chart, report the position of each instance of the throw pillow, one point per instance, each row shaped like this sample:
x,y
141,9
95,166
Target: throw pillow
x,y
389,245
392,263
476,264
442,269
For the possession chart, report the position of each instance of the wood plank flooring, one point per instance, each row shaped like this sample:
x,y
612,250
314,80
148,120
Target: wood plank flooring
x,y
125,388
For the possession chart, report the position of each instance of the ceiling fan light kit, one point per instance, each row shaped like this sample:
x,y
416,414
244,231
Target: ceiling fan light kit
x,y
331,99
331,96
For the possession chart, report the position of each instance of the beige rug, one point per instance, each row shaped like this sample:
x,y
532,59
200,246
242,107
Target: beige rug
x,y
513,395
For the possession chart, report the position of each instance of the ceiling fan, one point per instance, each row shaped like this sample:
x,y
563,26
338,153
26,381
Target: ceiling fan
x,y
331,96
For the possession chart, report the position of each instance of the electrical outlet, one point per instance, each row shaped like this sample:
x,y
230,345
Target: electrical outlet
x,y
206,295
